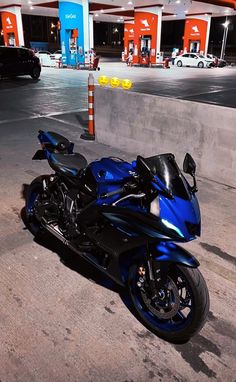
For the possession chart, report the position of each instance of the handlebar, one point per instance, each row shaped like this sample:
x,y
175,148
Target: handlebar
x,y
112,193
126,188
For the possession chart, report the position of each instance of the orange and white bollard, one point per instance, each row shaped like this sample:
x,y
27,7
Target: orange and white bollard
x,y
90,134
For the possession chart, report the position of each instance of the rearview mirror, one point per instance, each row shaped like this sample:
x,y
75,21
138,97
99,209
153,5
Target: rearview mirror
x,y
189,166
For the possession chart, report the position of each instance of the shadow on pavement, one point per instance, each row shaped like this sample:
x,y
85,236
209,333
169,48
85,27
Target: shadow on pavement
x,y
15,82
82,118
72,260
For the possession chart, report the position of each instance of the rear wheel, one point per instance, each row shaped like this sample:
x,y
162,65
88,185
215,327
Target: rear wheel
x,y
201,64
181,308
35,196
35,74
179,63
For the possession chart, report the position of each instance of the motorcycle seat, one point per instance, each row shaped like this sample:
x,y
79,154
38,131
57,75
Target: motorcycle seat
x,y
68,164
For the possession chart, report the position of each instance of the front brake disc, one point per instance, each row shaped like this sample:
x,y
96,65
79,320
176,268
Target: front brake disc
x,y
164,309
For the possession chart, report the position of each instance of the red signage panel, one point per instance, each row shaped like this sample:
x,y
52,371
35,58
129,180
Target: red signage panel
x,y
195,30
145,25
9,26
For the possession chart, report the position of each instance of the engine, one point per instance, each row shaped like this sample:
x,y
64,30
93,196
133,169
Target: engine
x,y
60,206
68,211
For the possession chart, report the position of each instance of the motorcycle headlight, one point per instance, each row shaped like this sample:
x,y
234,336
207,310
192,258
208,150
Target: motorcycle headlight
x,y
155,207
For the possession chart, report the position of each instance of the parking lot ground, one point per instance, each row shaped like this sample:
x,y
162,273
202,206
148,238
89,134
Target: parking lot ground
x,y
62,320
215,86
66,89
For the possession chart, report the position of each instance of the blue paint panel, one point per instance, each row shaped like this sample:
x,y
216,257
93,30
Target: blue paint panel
x,y
110,174
171,252
178,211
71,17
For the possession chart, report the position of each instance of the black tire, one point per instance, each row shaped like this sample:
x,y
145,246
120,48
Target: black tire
x,y
201,64
35,74
34,191
178,331
179,63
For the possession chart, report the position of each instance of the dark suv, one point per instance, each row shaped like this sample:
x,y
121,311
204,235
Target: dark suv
x,y
18,61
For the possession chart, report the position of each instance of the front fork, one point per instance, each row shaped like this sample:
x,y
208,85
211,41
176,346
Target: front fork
x,y
157,274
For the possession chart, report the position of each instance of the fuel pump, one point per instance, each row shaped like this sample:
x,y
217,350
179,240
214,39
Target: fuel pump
x,y
128,50
194,46
131,46
89,57
73,45
145,47
11,41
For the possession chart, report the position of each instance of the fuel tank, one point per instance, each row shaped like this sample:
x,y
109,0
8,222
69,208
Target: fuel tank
x,y
107,175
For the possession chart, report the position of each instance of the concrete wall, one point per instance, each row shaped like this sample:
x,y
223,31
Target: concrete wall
x,y
148,125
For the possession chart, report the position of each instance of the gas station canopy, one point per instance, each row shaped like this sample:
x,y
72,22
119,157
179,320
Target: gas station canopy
x,y
121,10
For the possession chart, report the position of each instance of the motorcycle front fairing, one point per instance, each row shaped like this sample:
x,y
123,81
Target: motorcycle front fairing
x,y
178,221
182,214
123,234
179,208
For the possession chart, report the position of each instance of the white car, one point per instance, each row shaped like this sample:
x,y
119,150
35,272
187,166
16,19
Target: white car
x,y
193,59
55,57
219,62
44,57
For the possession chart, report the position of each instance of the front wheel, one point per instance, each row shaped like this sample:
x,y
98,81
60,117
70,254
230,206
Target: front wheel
x,y
179,63
35,74
201,64
181,308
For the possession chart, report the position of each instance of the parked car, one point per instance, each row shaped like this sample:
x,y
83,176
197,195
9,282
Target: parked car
x,y
217,61
193,59
44,57
18,61
55,57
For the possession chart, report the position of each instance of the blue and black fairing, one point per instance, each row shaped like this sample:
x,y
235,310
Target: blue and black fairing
x,y
107,175
178,205
182,215
129,228
110,174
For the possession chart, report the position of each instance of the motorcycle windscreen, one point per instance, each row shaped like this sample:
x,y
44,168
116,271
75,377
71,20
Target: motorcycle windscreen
x,y
182,212
165,168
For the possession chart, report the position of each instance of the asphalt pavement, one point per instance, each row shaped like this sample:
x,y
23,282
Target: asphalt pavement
x,y
62,320
208,85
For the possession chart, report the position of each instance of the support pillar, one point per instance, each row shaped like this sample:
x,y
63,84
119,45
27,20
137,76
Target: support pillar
x,y
128,38
147,34
74,21
91,36
196,33
12,25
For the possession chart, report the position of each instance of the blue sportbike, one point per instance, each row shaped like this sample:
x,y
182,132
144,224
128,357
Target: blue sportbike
x,y
126,219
